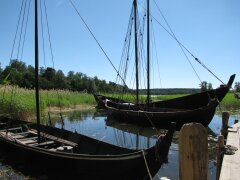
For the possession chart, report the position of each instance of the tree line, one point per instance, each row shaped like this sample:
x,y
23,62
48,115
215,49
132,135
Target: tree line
x,y
18,73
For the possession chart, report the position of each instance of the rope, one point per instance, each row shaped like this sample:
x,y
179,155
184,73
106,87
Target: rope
x,y
154,127
150,176
180,44
25,29
23,18
49,37
19,16
123,67
90,31
44,60
156,56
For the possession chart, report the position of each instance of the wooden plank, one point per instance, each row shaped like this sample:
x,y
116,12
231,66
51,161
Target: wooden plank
x,y
25,139
193,152
43,143
30,141
11,129
54,138
231,163
17,136
23,133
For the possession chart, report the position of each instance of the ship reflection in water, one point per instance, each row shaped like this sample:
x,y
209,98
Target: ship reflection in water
x,y
98,125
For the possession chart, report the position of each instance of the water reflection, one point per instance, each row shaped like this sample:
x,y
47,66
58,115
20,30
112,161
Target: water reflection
x,y
98,125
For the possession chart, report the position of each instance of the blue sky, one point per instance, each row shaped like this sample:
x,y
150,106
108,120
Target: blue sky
x,y
209,29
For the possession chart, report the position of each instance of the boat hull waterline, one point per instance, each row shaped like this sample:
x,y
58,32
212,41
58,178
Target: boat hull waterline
x,y
199,108
89,158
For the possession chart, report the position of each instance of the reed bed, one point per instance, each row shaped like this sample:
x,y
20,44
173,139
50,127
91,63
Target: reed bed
x,y
20,102
230,102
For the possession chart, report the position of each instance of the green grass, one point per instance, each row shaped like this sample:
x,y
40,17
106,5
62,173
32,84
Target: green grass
x,y
20,102
230,102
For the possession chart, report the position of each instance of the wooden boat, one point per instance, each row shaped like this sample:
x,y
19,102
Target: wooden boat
x,y
198,99
70,153
101,99
79,154
198,107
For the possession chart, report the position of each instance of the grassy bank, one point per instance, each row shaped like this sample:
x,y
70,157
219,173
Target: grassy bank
x,y
20,102
230,102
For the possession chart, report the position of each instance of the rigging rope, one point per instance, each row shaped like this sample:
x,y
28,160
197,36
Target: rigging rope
x,y
156,56
90,31
182,46
19,17
44,59
150,176
23,18
52,58
24,37
49,37
125,54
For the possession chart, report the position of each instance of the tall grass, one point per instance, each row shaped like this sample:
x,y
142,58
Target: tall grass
x,y
230,102
20,102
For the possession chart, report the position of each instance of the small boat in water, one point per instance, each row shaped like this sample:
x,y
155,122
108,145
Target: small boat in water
x,y
74,153
199,107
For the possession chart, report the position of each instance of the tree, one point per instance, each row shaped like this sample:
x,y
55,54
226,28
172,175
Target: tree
x,y
60,82
19,66
0,69
204,86
210,86
237,86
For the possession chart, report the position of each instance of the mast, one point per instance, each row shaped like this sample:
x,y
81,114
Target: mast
x,y
136,49
148,54
36,71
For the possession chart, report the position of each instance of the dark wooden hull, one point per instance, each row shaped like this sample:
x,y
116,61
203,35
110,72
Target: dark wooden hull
x,y
199,107
164,118
91,159
101,99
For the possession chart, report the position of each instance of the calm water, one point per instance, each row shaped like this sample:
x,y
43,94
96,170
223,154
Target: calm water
x,y
97,125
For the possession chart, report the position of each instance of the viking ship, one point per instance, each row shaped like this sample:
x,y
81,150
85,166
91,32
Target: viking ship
x,y
199,107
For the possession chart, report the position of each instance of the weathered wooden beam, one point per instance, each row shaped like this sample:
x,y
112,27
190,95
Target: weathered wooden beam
x,y
193,152
225,118
220,150
231,161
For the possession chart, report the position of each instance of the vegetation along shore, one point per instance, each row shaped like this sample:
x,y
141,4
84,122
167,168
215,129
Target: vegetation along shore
x,y
20,102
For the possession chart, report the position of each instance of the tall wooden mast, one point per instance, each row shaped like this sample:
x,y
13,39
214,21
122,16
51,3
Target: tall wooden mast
x,y
136,49
36,70
148,53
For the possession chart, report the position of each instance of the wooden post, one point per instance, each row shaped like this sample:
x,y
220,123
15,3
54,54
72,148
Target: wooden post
x,y
225,118
193,152
220,149
235,121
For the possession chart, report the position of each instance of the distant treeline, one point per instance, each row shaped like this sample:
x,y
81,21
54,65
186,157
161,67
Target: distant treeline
x,y
18,73
171,91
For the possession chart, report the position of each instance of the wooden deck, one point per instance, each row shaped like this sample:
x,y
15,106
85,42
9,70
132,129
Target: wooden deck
x,y
231,163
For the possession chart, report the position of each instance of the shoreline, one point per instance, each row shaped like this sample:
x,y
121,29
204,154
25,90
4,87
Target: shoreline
x,y
79,107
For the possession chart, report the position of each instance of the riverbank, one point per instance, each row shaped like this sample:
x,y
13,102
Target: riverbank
x,y
20,102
